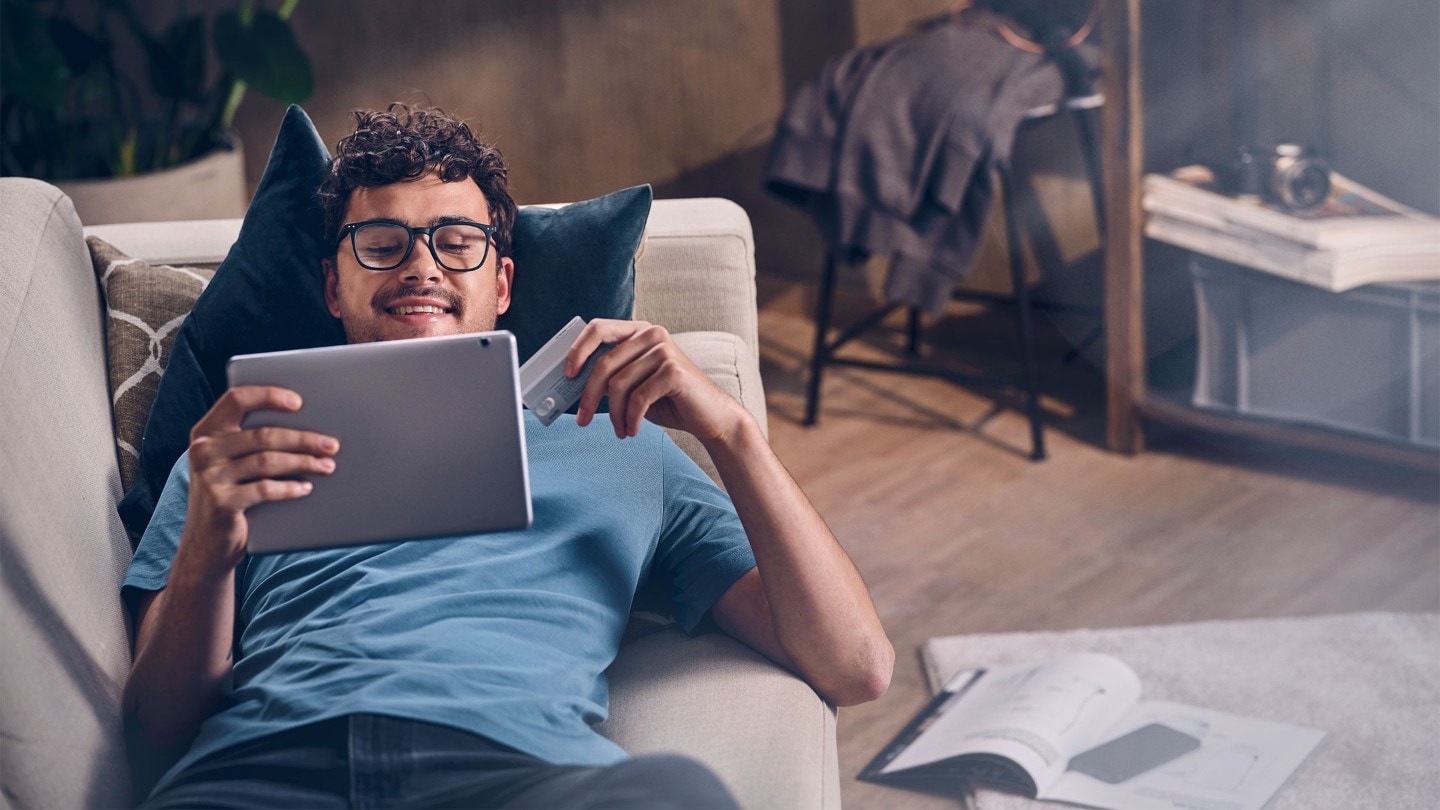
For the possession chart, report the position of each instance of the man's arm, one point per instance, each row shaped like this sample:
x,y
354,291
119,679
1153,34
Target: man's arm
x,y
804,600
185,632
804,605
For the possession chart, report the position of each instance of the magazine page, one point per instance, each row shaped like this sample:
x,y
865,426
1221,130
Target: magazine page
x,y
1034,716
1239,763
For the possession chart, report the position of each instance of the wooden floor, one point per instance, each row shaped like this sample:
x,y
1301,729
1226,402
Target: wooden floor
x,y
928,487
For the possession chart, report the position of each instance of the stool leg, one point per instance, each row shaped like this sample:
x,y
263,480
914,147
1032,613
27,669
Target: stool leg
x,y
821,353
912,332
1089,145
1022,306
1090,149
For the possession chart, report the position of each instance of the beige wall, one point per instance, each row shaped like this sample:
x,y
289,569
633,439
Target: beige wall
x,y
583,97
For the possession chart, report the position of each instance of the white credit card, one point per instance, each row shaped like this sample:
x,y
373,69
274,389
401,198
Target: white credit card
x,y
544,388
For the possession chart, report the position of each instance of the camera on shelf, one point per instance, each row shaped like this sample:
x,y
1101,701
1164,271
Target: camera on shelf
x,y
1288,175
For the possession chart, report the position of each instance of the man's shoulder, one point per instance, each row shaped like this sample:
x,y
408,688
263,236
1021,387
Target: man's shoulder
x,y
179,471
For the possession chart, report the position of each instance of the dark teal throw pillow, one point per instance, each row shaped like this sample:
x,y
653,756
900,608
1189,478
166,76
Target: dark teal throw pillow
x,y
267,295
576,260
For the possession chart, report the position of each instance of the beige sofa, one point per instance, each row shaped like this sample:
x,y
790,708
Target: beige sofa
x,y
63,551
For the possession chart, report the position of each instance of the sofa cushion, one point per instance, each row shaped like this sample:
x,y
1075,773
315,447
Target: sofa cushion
x,y
144,307
762,730
267,294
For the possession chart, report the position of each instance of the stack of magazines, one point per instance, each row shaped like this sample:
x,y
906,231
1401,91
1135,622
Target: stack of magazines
x,y
1356,237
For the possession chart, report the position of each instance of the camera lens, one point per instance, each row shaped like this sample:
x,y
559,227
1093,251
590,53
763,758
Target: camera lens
x,y
1301,182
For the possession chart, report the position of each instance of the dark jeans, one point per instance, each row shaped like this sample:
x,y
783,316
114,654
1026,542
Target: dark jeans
x,y
367,760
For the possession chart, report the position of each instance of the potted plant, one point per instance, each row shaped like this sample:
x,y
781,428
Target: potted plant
x,y
93,99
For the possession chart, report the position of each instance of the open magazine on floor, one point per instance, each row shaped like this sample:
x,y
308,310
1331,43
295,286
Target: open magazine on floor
x,y
1075,730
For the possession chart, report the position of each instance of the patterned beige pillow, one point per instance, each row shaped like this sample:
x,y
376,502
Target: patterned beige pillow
x,y
145,305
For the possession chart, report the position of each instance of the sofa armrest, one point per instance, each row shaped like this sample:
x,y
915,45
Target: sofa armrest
x,y
62,549
726,360
766,733
697,272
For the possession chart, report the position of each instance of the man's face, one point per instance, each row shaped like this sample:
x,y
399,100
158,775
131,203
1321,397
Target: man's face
x,y
400,303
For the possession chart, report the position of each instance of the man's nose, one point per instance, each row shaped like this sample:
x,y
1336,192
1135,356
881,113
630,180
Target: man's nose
x,y
421,266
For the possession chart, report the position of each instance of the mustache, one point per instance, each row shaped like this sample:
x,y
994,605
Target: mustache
x,y
448,297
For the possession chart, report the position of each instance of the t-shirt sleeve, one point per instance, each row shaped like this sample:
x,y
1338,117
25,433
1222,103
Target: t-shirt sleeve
x,y
150,567
703,548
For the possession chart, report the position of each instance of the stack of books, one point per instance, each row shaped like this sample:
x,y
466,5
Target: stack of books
x,y
1356,237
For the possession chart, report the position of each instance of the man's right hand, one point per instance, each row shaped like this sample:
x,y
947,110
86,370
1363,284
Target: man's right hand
x,y
185,631
233,468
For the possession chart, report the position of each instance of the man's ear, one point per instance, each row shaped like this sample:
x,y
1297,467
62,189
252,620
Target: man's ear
x,y
504,277
332,286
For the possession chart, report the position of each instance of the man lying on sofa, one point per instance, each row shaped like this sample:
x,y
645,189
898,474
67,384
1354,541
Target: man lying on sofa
x,y
446,672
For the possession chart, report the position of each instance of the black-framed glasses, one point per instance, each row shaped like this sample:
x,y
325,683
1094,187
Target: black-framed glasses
x,y
384,245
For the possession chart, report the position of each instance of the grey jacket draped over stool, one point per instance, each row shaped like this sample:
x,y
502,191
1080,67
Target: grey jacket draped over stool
x,y
890,150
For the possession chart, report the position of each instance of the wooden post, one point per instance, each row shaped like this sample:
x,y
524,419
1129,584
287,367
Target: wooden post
x,y
1122,155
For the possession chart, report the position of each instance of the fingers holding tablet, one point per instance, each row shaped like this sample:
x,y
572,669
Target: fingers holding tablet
x,y
245,466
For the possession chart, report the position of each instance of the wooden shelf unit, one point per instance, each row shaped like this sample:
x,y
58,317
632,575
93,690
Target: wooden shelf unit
x,y
1129,400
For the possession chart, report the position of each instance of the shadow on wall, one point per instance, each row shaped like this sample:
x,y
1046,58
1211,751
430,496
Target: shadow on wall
x,y
787,244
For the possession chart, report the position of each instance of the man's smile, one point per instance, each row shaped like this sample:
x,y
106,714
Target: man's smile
x,y
419,306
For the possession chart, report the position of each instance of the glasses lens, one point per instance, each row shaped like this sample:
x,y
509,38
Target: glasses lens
x,y
460,247
380,245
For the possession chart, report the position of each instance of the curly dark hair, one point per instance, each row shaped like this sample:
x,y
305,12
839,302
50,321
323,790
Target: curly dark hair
x,y
405,143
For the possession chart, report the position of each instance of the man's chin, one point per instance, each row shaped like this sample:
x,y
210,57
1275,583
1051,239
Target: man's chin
x,y
409,331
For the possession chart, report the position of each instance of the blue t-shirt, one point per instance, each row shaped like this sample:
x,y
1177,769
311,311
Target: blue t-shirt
x,y
506,635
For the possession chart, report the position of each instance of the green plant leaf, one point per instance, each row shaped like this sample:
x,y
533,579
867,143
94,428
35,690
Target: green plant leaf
x,y
80,49
184,41
31,66
266,55
166,75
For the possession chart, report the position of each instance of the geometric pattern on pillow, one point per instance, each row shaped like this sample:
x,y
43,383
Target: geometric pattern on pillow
x,y
144,307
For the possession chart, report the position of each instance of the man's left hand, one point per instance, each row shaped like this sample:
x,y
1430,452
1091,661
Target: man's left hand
x,y
647,376
804,604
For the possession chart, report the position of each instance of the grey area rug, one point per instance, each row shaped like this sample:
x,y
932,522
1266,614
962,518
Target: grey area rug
x,y
1372,680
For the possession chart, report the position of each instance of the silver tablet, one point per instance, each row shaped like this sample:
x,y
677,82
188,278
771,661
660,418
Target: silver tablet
x,y
432,443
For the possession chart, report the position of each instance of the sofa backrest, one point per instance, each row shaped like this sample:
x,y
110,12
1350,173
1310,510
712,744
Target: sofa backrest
x,y
62,548
695,274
